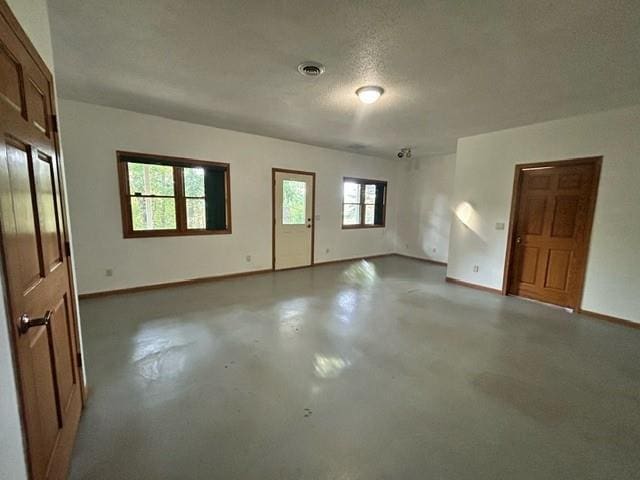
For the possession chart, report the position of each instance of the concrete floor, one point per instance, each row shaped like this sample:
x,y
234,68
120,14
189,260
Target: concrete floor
x,y
363,370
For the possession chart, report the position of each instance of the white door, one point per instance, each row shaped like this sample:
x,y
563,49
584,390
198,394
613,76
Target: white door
x,y
293,219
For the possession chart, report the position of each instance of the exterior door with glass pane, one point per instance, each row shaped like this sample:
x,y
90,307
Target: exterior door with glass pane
x,y
293,218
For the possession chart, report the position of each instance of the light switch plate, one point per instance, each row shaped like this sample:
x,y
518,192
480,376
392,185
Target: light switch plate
x,y
500,226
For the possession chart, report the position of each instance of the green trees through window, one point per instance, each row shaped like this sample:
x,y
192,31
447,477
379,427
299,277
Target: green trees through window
x,y
363,203
294,202
153,205
195,197
351,203
165,197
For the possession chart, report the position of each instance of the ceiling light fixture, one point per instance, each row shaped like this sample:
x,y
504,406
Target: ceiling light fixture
x,y
369,94
404,152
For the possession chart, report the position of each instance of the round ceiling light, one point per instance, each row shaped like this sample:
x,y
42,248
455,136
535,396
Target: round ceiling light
x,y
369,94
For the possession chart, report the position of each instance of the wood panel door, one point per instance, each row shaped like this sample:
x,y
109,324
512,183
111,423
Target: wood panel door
x,y
553,215
36,266
293,197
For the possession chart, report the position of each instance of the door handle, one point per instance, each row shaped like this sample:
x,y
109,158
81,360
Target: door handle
x,y
518,240
25,322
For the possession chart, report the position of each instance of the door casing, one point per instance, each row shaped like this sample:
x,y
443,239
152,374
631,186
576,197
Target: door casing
x,y
273,214
513,220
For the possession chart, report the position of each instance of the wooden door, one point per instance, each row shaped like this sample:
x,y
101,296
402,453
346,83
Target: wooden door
x,y
554,210
34,253
293,197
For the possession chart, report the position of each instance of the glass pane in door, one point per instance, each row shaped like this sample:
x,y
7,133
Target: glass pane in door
x,y
294,202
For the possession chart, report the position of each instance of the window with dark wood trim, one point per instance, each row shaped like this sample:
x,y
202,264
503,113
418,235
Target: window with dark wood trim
x,y
172,196
363,203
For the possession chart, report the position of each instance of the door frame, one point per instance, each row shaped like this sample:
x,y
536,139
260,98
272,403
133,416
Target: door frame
x,y
273,215
596,161
14,24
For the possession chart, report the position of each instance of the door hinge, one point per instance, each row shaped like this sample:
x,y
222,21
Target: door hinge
x,y
54,123
79,359
67,248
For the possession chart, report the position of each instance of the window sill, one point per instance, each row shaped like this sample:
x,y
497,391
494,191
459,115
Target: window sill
x,y
174,233
360,227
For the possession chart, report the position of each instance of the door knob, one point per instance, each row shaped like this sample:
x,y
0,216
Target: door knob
x,y
518,239
25,322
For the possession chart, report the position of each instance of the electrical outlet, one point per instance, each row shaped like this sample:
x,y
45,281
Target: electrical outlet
x,y
476,268
434,249
248,258
108,272
327,250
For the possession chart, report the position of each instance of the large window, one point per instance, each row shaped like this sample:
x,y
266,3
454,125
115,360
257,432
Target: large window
x,y
165,196
363,203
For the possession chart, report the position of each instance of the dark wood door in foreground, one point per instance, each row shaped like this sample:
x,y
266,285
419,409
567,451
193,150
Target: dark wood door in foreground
x,y
36,265
553,216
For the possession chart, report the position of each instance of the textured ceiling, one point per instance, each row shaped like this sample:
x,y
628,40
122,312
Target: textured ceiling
x,y
450,68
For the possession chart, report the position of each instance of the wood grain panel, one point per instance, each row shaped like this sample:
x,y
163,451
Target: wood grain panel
x,y
557,269
63,355
538,182
37,106
534,215
50,235
46,399
564,216
569,181
10,80
25,222
529,264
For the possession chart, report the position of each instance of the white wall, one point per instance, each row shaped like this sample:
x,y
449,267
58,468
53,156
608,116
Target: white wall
x,y
91,136
484,178
12,460
424,206
34,18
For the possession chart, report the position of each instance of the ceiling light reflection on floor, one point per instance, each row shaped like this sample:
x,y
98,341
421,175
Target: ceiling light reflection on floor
x,y
362,273
329,367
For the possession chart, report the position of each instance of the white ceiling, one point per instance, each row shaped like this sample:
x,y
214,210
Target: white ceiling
x,y
450,68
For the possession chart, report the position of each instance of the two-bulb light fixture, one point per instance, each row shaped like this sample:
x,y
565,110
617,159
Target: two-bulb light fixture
x,y
369,94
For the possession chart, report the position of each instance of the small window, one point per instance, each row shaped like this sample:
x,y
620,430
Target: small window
x,y
363,203
167,196
294,202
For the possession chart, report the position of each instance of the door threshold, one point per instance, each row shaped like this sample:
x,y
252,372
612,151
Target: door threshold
x,y
540,302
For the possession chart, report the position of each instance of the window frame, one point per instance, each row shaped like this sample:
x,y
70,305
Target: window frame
x,y
363,182
178,163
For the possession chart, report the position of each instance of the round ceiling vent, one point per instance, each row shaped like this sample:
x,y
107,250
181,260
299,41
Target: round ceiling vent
x,y
311,69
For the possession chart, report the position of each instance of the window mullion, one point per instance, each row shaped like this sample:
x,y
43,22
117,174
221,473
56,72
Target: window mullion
x,y
362,206
181,203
